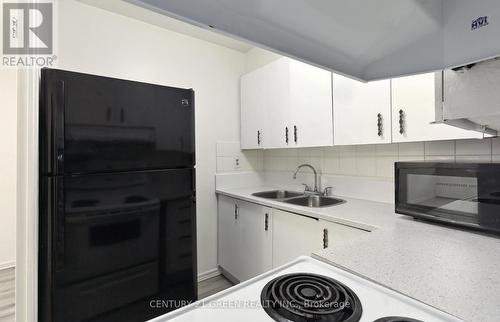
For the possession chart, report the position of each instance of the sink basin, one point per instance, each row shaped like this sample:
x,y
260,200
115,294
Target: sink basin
x,y
277,194
314,201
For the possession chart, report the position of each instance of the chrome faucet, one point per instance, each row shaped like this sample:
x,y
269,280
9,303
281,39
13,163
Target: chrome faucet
x,y
315,176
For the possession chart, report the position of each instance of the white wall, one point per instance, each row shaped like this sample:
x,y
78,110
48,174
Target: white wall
x,y
95,41
8,170
257,57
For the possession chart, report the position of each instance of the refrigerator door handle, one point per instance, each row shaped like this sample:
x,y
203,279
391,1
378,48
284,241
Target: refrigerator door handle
x,y
58,121
59,224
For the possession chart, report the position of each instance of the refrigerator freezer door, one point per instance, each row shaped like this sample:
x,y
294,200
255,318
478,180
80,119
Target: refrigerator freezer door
x,y
111,243
91,124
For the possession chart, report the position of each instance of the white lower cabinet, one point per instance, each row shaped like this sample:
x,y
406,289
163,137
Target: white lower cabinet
x,y
245,238
253,238
293,236
229,242
256,237
334,233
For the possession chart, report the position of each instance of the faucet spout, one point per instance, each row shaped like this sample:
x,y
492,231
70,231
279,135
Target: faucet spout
x,y
313,170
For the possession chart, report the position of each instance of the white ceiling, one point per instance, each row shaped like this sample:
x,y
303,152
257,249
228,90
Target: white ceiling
x,y
127,9
364,39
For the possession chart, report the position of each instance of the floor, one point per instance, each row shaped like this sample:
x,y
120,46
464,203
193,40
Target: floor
x,y
212,286
7,295
7,291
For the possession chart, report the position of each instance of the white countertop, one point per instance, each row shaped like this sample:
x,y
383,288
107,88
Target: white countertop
x,y
454,270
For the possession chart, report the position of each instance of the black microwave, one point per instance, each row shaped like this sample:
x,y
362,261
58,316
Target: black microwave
x,y
464,194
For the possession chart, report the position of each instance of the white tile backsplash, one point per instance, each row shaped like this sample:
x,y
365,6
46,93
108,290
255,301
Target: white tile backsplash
x,y
473,147
411,149
473,158
386,149
375,160
440,148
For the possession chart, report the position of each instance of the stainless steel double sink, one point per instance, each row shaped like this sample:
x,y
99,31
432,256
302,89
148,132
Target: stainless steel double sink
x,y
299,199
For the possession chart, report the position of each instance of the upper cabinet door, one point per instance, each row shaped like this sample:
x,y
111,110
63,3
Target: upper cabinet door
x,y
310,121
276,79
362,111
414,100
252,110
286,104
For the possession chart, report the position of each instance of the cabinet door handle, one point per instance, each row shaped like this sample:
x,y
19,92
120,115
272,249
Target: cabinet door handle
x,y
379,124
401,122
286,134
258,137
295,133
236,212
266,222
325,238
122,115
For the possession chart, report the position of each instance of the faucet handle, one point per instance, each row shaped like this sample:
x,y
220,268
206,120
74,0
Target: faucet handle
x,y
326,190
306,187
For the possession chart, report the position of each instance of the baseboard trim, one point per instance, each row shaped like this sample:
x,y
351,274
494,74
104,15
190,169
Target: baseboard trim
x,y
208,274
229,276
7,265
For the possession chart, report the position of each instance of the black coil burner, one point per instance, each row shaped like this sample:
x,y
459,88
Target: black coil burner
x,y
310,297
396,319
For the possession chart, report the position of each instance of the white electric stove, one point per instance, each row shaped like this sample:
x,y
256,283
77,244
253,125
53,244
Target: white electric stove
x,y
308,290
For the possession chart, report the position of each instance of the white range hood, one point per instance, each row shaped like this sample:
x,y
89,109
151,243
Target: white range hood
x,y
364,39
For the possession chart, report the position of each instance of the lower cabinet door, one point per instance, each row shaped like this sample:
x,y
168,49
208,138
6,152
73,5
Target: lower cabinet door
x,y
229,243
256,252
294,235
333,233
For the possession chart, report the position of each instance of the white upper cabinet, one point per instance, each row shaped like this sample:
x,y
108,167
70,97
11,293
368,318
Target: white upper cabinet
x,y
310,121
286,104
362,111
414,100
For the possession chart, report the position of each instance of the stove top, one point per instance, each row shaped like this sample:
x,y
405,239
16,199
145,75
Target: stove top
x,y
308,290
303,297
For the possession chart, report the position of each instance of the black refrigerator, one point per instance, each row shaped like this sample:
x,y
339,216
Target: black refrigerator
x,y
117,237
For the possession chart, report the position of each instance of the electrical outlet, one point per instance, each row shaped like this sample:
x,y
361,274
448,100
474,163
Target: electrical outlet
x,y
237,163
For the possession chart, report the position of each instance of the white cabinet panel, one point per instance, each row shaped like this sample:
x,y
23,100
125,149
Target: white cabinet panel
x,y
310,121
293,236
286,97
245,238
255,254
252,110
335,233
358,110
229,241
414,103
